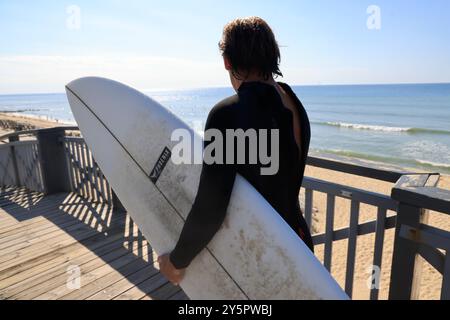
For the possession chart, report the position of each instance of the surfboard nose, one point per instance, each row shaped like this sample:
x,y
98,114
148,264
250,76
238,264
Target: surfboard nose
x,y
89,87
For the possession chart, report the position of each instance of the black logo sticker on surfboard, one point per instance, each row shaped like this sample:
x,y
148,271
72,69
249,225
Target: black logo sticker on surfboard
x,y
160,165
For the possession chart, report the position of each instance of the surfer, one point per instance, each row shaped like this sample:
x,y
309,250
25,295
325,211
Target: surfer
x,y
251,56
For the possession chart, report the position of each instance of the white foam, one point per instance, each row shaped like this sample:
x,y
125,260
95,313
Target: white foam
x,y
368,127
434,164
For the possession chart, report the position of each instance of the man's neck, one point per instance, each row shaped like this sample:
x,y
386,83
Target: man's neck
x,y
257,78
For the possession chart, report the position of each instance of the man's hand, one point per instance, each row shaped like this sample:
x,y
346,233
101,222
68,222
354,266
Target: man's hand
x,y
168,270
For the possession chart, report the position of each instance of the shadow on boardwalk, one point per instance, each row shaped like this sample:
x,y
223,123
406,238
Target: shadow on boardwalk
x,y
65,247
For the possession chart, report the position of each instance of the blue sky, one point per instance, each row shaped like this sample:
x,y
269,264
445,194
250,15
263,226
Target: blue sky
x,y
173,44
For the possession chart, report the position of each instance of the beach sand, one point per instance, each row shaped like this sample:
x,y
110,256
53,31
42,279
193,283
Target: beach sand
x,y
15,122
431,279
10,123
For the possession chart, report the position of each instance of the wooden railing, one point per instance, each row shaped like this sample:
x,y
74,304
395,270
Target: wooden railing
x,y
86,178
419,197
356,197
20,165
54,162
382,202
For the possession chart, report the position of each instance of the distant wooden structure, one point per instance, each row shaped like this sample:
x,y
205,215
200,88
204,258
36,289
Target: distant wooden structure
x,y
59,216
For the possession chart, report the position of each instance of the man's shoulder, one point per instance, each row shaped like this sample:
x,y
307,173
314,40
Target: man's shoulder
x,y
224,112
226,105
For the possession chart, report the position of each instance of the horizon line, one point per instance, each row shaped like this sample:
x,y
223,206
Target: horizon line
x,y
229,87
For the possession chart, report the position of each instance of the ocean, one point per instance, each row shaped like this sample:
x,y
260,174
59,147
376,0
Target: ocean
x,y
406,125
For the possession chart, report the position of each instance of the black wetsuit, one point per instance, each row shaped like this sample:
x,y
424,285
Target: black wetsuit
x,y
256,106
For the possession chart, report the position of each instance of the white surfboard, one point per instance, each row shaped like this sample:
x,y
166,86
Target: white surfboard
x,y
255,255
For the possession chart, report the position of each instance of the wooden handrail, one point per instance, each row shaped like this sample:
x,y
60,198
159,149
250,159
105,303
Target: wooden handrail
x,y
34,132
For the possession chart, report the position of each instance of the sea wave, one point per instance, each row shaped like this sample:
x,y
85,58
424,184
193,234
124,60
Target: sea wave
x,y
416,163
434,164
357,126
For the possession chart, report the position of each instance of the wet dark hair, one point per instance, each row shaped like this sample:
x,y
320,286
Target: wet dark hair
x,y
250,46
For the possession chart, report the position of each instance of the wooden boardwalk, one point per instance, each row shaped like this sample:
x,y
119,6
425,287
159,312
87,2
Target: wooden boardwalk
x,y
45,242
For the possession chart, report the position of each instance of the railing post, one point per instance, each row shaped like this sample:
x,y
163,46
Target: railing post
x,y
12,149
52,158
405,273
13,138
406,267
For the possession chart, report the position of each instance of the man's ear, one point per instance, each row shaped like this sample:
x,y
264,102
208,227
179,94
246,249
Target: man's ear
x,y
227,63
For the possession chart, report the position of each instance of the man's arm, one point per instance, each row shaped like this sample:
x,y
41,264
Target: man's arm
x,y
210,206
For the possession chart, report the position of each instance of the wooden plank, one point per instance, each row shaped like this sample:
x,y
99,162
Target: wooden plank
x,y
363,229
77,233
59,222
100,282
329,231
21,199
57,276
24,276
82,171
95,194
22,218
416,180
406,268
85,186
433,180
162,293
96,185
359,170
30,169
69,164
6,192
125,284
70,155
379,243
433,256
65,217
28,178
180,295
99,181
95,247
309,207
39,230
146,288
20,166
20,212
445,290
19,143
89,187
435,199
86,278
433,237
39,169
351,251
362,196
74,160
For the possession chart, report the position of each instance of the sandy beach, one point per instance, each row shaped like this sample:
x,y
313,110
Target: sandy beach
x,y
431,281
13,122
